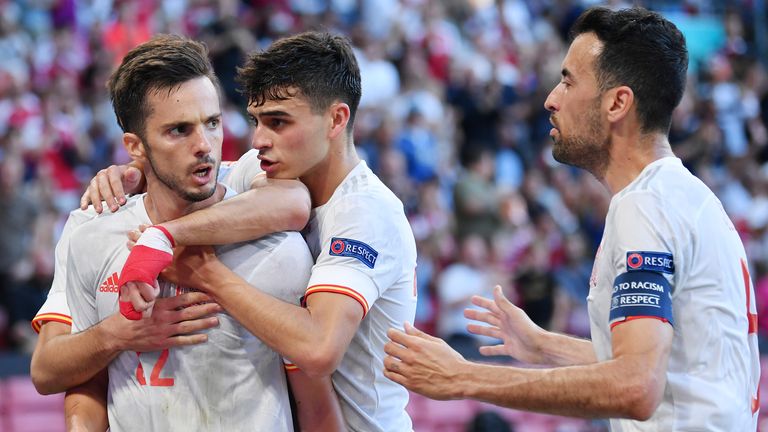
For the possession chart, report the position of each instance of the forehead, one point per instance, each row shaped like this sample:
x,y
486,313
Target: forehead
x,y
582,55
192,100
294,103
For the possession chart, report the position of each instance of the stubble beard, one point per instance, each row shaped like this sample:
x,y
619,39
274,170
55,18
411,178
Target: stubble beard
x,y
173,183
589,151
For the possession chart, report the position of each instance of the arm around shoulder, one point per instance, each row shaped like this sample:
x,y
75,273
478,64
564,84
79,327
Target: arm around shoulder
x,y
278,205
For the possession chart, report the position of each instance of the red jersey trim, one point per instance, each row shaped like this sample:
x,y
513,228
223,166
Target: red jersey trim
x,y
632,318
338,289
39,320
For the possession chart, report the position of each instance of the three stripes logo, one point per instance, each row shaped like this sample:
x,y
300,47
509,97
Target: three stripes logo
x,y
110,285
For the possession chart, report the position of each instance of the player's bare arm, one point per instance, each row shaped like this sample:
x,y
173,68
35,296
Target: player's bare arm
x,y
85,406
62,360
522,338
246,215
314,338
274,206
317,406
630,385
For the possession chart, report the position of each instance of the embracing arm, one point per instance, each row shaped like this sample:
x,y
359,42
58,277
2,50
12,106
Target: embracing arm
x,y
277,205
85,406
630,385
314,337
62,360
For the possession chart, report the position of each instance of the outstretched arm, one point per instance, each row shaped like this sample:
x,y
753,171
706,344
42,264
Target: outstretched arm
x,y
62,360
630,384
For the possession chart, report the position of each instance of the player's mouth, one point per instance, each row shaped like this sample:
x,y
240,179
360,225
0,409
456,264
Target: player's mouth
x,y
203,174
267,165
554,129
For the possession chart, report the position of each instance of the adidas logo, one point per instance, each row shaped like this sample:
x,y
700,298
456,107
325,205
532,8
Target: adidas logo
x,y
110,285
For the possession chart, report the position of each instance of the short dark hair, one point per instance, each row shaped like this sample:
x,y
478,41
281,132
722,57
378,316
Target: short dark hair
x,y
320,65
644,51
163,63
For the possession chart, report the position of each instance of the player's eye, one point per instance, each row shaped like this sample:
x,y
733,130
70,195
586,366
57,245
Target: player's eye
x,y
179,130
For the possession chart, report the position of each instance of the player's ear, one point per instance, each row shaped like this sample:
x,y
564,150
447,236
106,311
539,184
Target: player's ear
x,y
134,146
618,102
339,117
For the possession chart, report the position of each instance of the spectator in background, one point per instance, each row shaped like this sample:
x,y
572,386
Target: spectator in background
x,y
18,216
476,201
469,276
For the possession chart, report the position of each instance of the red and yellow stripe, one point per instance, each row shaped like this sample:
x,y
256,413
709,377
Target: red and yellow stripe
x,y
338,289
39,320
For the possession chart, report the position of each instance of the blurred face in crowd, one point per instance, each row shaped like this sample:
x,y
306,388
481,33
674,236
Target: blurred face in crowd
x,y
183,138
579,133
292,140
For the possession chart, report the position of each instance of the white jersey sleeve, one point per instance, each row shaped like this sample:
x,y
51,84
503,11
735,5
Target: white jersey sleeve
x,y
360,258
241,173
55,307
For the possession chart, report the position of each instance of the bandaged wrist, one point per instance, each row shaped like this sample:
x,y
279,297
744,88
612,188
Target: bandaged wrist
x,y
152,253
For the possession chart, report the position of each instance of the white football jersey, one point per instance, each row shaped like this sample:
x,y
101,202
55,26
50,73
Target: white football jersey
x,y
55,307
670,252
231,382
363,248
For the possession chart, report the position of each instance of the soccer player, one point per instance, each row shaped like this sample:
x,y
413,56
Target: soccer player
x,y
303,93
62,360
671,303
166,100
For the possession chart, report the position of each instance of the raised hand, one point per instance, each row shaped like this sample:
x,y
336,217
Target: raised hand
x,y
520,335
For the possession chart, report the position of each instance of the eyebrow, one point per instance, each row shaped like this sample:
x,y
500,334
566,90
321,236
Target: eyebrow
x,y
272,113
566,73
176,124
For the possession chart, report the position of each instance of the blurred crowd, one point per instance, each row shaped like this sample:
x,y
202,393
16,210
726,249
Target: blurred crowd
x,y
451,118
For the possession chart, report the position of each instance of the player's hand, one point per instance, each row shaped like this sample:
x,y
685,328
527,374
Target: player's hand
x,y
137,299
152,253
134,235
110,185
191,265
422,363
175,321
505,321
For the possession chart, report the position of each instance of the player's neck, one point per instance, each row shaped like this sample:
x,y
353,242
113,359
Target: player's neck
x,y
163,204
324,178
629,158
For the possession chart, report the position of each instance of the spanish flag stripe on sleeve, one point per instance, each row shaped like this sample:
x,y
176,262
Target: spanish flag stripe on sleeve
x,y
339,290
38,321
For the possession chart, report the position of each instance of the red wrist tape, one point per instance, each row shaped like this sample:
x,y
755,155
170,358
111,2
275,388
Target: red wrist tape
x,y
144,264
127,310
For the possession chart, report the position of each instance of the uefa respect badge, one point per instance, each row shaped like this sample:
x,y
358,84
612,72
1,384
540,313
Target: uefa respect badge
x,y
354,249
